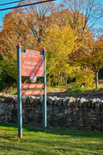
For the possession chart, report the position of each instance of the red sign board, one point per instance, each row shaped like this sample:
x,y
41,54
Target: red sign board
x,y
29,86
32,64
32,92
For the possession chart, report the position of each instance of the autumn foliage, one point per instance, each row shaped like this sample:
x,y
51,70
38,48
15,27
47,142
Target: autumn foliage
x,y
63,30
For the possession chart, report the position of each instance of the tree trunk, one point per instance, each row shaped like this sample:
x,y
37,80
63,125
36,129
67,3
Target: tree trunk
x,y
96,77
59,78
48,81
65,79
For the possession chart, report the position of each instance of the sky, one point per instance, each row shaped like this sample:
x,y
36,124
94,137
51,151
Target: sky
x,y
3,13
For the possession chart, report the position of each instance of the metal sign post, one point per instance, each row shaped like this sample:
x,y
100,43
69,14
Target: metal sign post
x,y
44,96
19,90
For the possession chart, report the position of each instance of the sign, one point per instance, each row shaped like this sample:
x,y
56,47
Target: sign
x,y
32,64
29,86
32,92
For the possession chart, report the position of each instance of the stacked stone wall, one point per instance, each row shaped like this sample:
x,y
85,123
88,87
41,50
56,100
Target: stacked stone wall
x,y
68,112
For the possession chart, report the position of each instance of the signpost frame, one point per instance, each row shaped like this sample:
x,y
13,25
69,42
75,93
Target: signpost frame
x,y
44,96
30,92
19,90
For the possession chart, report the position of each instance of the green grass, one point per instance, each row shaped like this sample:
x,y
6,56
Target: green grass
x,y
54,142
80,90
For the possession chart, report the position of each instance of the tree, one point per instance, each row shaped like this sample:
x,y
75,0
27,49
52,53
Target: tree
x,y
30,20
58,44
48,26
9,52
82,13
24,25
88,53
85,75
36,17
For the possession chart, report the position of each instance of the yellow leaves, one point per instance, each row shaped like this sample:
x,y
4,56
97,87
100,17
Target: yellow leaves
x,y
36,27
59,42
85,75
9,51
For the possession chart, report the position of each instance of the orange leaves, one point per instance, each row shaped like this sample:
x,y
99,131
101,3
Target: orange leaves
x,y
59,29
87,52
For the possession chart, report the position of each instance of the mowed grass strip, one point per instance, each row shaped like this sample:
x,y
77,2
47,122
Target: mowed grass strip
x,y
53,142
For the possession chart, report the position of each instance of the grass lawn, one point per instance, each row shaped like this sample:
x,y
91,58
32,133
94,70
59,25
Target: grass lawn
x,y
54,142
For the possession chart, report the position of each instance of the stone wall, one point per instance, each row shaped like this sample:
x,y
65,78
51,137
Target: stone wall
x,y
68,112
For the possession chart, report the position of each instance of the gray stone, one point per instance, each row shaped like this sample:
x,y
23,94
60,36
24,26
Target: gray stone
x,y
11,106
68,112
2,111
41,99
101,104
37,101
60,115
92,102
28,100
5,95
85,103
80,102
1,94
32,99
16,99
88,103
5,105
56,100
70,120
7,114
60,102
82,85
24,99
10,99
65,101
2,117
75,103
50,127
23,111
97,105
71,101
49,100
101,116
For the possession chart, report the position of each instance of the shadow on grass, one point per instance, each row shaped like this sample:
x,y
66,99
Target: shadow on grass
x,y
56,131
55,141
40,145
